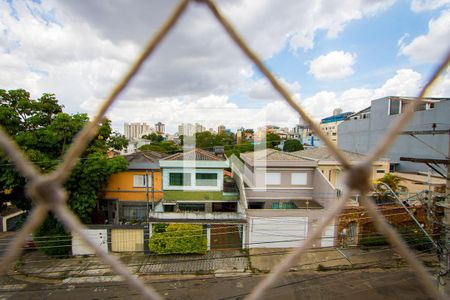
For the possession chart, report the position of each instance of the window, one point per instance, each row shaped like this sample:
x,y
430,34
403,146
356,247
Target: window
x,y
191,206
169,208
273,178
206,179
256,205
140,181
394,107
283,205
134,212
179,179
299,178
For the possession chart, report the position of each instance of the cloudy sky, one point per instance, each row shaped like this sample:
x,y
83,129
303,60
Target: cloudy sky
x,y
335,53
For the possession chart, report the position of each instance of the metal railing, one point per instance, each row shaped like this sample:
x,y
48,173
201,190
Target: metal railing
x,y
48,194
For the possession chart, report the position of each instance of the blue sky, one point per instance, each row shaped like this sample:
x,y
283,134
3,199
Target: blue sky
x,y
328,53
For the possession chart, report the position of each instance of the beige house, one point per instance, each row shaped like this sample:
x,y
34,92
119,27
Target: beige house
x,y
286,196
332,169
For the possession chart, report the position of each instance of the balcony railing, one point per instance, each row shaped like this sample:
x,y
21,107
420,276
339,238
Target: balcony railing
x,y
197,215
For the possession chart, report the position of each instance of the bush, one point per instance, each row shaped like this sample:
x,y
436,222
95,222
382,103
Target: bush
x,y
411,235
292,145
158,228
373,241
179,239
52,239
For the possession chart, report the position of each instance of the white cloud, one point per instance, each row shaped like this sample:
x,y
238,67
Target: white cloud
x,y
261,89
442,86
406,82
212,110
79,50
422,5
432,46
334,65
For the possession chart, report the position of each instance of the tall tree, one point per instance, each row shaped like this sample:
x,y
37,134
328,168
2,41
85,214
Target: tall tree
x,y
272,140
44,133
292,145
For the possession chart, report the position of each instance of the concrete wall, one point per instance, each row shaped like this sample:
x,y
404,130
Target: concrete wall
x,y
324,193
362,135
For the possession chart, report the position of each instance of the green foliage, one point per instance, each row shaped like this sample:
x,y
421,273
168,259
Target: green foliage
x,y
239,148
373,241
51,238
391,180
412,235
154,137
292,145
45,132
179,239
272,140
117,141
158,228
168,147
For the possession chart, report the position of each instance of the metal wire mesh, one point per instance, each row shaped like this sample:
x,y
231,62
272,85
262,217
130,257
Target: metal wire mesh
x,y
48,194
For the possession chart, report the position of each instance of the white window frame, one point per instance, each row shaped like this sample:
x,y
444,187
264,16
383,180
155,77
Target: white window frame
x,y
139,180
273,178
299,178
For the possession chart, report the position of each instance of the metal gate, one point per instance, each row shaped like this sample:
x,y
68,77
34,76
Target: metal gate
x,y
127,240
225,237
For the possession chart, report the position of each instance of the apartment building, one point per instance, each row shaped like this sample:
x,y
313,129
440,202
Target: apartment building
x,y
426,135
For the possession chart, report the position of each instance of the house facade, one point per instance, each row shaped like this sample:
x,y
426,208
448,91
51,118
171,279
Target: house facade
x,y
286,197
332,169
196,191
129,195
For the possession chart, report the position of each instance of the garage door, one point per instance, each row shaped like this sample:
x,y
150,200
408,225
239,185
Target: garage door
x,y
328,236
279,232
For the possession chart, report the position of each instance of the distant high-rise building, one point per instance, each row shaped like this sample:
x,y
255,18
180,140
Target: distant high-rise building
x,y
160,128
189,129
337,111
135,130
221,129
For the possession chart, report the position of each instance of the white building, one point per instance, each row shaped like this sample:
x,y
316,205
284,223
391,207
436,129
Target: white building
x,y
189,129
135,130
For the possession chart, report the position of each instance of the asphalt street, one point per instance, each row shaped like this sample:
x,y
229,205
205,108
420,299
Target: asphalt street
x,y
365,284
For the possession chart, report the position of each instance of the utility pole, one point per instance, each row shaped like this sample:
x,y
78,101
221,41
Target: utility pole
x,y
153,191
444,235
146,195
445,263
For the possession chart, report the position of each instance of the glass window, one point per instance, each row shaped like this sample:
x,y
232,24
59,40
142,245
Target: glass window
x,y
140,181
299,178
394,107
273,178
179,179
132,212
206,179
191,206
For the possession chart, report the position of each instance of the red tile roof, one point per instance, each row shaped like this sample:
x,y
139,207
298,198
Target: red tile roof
x,y
195,154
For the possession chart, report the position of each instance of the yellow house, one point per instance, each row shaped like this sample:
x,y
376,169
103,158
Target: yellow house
x,y
130,195
332,168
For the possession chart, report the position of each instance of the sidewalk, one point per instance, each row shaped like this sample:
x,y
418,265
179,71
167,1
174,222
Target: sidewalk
x,y
264,260
35,265
91,268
